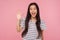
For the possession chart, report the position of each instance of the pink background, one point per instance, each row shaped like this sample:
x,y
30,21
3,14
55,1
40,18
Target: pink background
x,y
49,10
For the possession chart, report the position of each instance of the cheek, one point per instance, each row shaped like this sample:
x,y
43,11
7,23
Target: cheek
x,y
36,11
31,12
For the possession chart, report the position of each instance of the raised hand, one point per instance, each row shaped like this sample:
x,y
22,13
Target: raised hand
x,y
18,15
18,21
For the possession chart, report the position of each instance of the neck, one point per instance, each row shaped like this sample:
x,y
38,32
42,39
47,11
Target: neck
x,y
33,18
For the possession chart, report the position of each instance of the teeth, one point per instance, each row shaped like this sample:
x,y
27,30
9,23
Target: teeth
x,y
33,13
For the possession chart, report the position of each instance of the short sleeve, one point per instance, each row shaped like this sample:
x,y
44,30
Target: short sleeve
x,y
43,25
22,23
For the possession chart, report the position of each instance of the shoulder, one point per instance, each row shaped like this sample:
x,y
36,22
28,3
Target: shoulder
x,y
43,24
42,21
23,18
22,22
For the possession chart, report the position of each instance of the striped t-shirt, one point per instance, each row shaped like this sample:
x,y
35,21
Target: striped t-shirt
x,y
32,30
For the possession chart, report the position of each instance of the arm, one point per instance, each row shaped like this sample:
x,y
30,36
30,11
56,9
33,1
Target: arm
x,y
18,26
18,22
42,35
43,27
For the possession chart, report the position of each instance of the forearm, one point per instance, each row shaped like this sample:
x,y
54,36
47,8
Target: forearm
x,y
18,26
42,36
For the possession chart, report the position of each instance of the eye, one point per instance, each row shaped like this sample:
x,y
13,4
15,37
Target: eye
x,y
30,8
35,8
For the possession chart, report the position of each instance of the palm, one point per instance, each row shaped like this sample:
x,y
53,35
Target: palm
x,y
18,16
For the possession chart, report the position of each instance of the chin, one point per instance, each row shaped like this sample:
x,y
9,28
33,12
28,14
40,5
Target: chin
x,y
33,16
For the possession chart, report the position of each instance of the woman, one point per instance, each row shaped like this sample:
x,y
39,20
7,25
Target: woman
x,y
33,25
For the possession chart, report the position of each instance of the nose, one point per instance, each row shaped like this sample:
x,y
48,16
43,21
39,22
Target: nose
x,y
32,10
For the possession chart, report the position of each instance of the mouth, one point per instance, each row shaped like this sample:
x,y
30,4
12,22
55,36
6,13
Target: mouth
x,y
33,13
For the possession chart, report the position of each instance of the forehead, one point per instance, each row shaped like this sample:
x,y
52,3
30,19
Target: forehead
x,y
32,6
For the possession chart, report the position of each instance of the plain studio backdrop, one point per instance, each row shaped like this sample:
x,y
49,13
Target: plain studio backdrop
x,y
49,10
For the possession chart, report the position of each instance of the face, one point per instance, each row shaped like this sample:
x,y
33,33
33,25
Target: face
x,y
33,10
